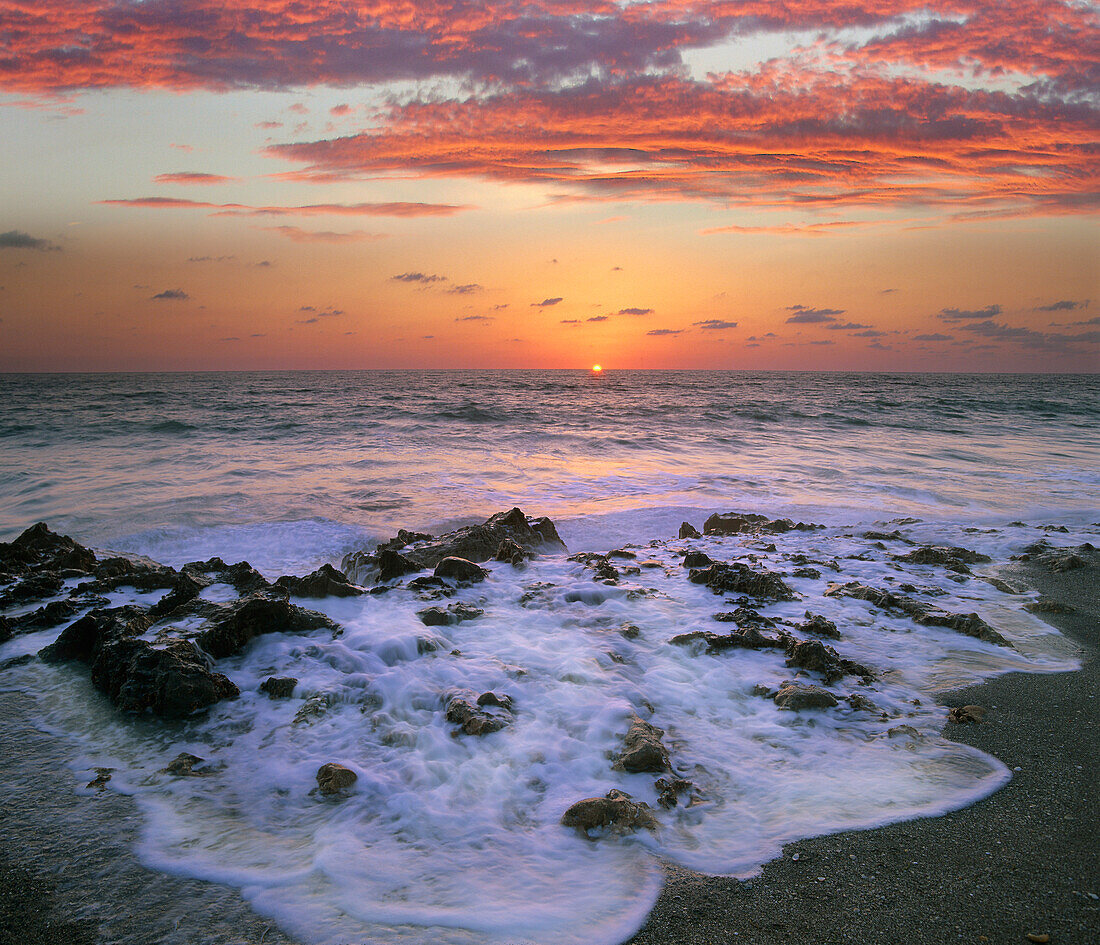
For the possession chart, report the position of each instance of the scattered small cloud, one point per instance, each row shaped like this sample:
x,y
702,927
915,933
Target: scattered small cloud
x,y
1064,305
935,336
421,277
268,125
186,148
714,324
338,111
962,314
805,315
570,321
206,259
298,235
192,177
466,289
870,333
546,303
846,326
475,318
17,239
599,318
231,338
635,311
827,341
171,295
661,332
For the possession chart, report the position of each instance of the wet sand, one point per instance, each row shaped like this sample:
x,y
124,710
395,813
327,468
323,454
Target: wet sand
x,y
1025,860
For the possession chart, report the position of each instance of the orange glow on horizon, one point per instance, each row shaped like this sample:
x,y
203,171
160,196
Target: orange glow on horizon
x,y
596,368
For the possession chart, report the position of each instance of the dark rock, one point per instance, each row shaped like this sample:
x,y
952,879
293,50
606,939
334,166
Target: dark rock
x,y
925,614
454,613
744,617
474,543
797,696
819,626
669,789
629,630
82,640
101,779
392,564
187,586
817,657
33,587
182,765
895,535
278,687
326,581
642,749
748,638
1046,605
474,715
697,559
738,578
952,558
510,552
687,530
461,570
5,629
617,810
245,578
967,715
314,708
624,553
332,778
55,612
738,523
255,615
39,549
861,703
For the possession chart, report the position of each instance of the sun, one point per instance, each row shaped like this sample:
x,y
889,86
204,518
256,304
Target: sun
x,y
596,368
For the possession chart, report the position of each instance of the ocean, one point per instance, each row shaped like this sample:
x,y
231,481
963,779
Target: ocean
x,y
457,839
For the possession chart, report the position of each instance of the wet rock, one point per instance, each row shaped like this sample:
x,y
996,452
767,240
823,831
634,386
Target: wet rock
x,y
624,553
738,523
255,615
738,578
183,764
967,715
186,587
39,549
278,687
1047,605
392,564
687,530
332,778
460,569
33,587
430,587
102,777
642,749
817,657
819,626
697,559
629,630
925,614
895,535
313,708
452,614
953,558
861,703
479,715
55,612
6,630
602,568
811,573
245,578
744,617
326,581
82,639
510,552
616,810
747,638
474,543
798,696
669,790
1000,585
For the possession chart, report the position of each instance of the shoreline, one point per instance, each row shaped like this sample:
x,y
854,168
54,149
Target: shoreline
x,y
1020,861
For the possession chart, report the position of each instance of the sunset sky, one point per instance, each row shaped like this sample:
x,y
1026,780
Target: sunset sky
x,y
812,185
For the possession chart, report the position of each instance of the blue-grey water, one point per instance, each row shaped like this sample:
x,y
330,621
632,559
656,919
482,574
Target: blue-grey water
x,y
326,458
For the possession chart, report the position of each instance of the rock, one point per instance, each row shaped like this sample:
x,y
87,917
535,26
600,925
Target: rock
x,y
392,564
895,535
738,578
1046,605
797,696
313,708
55,612
616,810
182,765
326,581
278,687
629,630
454,613
816,657
474,715
474,543
687,530
642,749
510,552
1000,585
861,703
39,549
32,587
744,617
967,715
737,523
669,789
461,570
925,614
747,638
811,573
819,626
332,778
255,615
625,553
187,586
82,640
953,558
697,559
102,777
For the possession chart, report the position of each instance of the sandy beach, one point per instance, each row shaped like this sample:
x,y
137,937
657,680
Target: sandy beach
x,y
1022,861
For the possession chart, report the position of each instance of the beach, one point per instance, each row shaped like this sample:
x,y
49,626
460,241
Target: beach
x,y
1020,861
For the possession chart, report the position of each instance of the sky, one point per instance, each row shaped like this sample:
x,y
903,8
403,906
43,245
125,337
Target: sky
x,y
906,185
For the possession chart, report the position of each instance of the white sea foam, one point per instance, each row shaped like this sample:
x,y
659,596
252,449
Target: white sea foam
x,y
448,839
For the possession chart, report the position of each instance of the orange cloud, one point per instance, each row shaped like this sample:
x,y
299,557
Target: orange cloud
x,y
390,209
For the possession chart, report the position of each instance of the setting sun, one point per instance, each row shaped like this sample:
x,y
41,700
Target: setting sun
x,y
596,368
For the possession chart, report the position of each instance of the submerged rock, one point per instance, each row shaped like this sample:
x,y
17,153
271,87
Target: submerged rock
x,y
744,638
926,614
183,764
452,614
278,687
739,523
332,778
474,543
798,696
952,558
697,559
738,578
511,552
617,810
967,715
817,657
326,581
391,564
475,716
642,749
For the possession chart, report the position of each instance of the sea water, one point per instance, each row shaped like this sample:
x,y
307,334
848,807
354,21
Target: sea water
x,y
458,839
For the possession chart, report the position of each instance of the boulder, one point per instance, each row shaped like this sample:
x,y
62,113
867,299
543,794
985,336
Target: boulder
x,y
697,559
475,715
739,578
259,613
183,764
953,558
819,658
739,523
278,687
616,810
511,552
332,778
460,569
819,626
642,749
452,614
747,638
39,549
391,564
32,587
687,530
326,581
798,696
967,715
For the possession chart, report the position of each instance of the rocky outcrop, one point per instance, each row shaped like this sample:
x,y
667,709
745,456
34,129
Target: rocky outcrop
x,y
452,614
687,530
819,658
798,696
474,543
326,581
642,749
480,715
739,578
39,549
333,778
617,810
748,523
743,638
257,614
511,552
697,559
819,626
461,570
953,558
925,614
